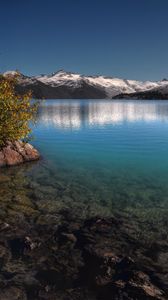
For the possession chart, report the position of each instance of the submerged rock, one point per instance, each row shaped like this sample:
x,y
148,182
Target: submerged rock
x,y
54,247
15,153
76,260
12,292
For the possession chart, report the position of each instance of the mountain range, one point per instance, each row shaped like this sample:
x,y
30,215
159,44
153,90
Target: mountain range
x,y
67,85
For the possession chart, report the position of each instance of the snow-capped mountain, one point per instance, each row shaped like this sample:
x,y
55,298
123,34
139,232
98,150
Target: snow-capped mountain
x,y
160,92
71,85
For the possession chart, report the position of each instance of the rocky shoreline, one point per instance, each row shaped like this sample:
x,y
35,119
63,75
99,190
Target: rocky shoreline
x,y
56,244
67,258
15,153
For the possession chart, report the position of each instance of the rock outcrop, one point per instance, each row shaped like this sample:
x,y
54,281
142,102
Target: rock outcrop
x,y
15,153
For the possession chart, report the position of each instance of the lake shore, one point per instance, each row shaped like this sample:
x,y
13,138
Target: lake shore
x,y
50,251
61,256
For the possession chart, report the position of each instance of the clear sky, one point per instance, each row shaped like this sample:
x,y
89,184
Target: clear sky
x,y
123,38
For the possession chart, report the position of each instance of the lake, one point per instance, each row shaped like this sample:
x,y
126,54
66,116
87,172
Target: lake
x,y
114,153
100,159
106,155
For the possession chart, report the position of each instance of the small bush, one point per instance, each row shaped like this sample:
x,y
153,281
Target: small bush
x,y
16,112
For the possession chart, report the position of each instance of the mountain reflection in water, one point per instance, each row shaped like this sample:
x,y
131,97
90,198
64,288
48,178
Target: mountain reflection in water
x,y
75,114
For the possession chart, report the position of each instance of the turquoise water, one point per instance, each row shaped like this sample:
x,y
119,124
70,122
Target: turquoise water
x,y
119,135
116,150
99,157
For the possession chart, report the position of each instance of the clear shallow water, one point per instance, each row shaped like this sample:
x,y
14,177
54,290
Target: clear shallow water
x,y
99,157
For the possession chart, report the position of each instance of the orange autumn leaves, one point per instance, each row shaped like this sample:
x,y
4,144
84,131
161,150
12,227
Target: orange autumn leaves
x,y
16,112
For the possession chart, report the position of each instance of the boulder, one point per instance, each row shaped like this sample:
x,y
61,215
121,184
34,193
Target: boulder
x,y
17,152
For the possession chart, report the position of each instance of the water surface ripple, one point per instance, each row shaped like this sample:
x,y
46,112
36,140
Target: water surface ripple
x,y
99,157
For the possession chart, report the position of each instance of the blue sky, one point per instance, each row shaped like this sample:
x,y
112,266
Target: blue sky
x,y
123,38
